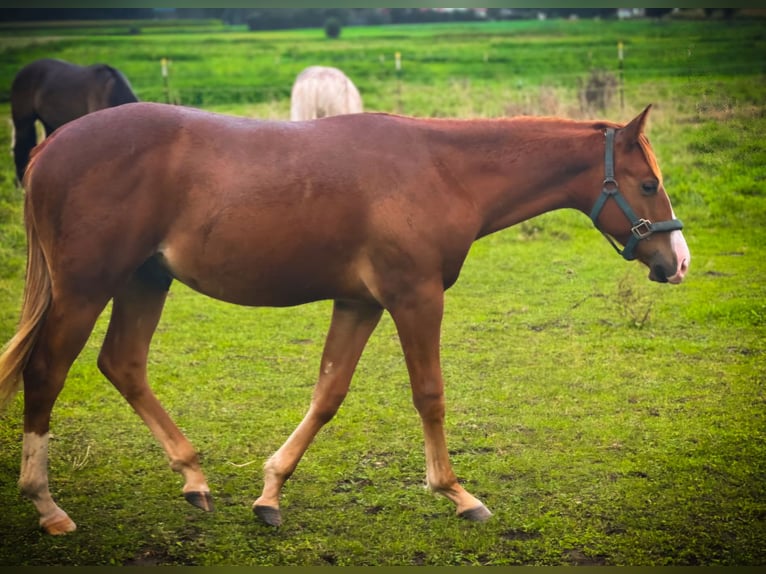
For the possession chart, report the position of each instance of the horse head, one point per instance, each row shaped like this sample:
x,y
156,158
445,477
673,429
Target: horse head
x,y
635,209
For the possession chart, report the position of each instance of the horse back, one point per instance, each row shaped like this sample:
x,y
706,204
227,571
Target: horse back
x,y
374,156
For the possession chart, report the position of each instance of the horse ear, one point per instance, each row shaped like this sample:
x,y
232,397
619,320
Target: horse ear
x,y
636,126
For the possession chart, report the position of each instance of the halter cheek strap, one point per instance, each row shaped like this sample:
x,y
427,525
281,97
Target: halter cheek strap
x,y
640,228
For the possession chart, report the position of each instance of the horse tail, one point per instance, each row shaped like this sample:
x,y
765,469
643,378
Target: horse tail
x,y
37,298
24,139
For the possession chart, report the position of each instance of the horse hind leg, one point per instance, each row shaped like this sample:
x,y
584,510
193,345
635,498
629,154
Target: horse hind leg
x,y
63,333
351,327
136,311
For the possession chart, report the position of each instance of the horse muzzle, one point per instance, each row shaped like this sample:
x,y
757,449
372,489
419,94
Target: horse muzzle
x,y
671,270
659,274
680,273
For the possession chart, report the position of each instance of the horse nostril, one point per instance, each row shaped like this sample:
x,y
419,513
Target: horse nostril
x,y
659,274
684,266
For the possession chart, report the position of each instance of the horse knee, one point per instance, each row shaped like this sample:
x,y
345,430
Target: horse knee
x,y
115,365
126,375
324,413
430,406
325,408
106,364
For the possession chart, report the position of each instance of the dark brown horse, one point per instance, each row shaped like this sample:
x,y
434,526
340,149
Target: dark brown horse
x,y
376,212
56,92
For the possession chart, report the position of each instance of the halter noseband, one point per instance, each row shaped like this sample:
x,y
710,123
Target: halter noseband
x,y
640,228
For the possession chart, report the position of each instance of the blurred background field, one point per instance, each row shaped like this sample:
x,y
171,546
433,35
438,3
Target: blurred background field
x,y
604,419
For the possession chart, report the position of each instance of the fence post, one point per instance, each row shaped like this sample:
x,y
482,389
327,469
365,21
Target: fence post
x,y
398,66
622,89
164,68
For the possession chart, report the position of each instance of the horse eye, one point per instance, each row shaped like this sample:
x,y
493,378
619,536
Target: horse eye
x,y
649,187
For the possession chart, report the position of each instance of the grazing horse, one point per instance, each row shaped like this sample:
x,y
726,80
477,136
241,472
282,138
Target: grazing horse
x,y
320,91
56,92
376,212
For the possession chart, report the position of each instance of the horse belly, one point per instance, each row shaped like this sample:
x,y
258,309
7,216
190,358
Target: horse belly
x,y
263,270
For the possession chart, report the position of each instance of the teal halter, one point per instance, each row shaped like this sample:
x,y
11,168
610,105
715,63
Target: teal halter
x,y
640,228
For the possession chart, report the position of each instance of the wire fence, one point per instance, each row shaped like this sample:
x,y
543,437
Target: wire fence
x,y
474,89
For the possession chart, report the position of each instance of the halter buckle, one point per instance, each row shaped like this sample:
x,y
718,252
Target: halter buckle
x,y
642,229
610,186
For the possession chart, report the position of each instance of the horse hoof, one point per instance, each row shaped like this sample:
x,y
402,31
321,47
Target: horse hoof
x,y
479,514
202,500
60,524
268,514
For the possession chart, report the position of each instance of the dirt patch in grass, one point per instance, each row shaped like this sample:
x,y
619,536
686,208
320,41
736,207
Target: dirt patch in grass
x,y
579,558
155,556
518,534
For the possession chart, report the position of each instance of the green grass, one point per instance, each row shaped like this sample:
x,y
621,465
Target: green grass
x,y
604,419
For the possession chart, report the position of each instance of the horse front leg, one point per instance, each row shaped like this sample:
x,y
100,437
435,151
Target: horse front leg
x,y
418,322
351,327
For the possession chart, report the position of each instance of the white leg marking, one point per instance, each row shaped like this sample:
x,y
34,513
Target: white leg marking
x,y
34,479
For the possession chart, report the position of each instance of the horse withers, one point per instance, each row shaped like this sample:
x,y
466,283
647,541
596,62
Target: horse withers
x,y
321,91
55,92
376,212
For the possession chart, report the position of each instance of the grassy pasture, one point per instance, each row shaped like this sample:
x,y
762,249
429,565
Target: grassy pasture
x,y
604,419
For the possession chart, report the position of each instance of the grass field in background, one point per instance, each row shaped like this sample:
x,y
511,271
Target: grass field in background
x,y
603,419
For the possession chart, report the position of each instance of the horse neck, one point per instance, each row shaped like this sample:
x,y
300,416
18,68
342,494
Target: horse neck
x,y
516,169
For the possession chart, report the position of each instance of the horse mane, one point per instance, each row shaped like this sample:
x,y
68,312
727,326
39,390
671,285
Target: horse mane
x,y
599,125
521,119
651,159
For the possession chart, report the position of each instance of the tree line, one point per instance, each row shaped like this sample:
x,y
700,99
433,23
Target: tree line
x,y
282,18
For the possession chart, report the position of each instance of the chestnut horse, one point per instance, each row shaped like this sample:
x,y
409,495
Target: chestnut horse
x,y
320,91
56,92
374,211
